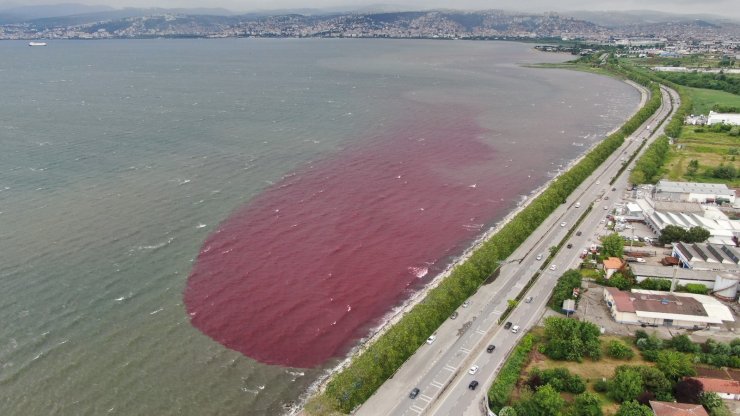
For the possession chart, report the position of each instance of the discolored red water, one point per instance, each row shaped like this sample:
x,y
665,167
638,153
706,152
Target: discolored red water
x,y
307,267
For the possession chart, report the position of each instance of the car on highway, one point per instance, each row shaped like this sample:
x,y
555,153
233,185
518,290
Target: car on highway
x,y
569,245
414,393
598,182
529,299
507,325
606,198
431,339
473,384
562,224
579,233
605,208
466,304
539,257
490,348
515,329
473,369
614,189
578,205
454,315
553,267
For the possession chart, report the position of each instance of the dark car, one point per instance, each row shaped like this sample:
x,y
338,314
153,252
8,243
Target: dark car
x,y
414,393
569,245
454,315
578,233
473,384
614,189
507,325
490,348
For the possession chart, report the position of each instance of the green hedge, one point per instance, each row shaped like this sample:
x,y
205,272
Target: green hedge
x,y
369,370
648,166
500,391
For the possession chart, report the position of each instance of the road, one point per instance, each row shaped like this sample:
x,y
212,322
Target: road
x,y
440,370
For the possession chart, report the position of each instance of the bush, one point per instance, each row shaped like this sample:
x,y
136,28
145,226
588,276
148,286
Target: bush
x,y
564,289
633,408
601,386
498,394
689,391
571,340
587,404
617,349
682,343
560,379
675,365
626,385
655,284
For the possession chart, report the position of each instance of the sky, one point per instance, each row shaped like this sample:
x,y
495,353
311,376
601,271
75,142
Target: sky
x,y
730,8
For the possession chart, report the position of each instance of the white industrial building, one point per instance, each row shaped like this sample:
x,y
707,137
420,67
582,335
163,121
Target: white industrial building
x,y
651,307
707,256
724,285
723,118
693,191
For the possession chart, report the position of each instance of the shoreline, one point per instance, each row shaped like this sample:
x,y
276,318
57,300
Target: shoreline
x,y
397,313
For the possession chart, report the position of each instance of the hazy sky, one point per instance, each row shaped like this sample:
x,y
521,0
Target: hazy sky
x,y
720,7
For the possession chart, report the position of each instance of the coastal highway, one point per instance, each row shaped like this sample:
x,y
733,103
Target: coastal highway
x,y
440,369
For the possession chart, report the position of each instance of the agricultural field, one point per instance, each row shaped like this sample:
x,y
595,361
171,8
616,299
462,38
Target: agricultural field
x,y
704,99
710,149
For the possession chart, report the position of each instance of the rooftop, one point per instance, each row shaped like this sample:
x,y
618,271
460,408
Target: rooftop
x,y
644,270
622,300
720,386
613,263
707,256
694,187
677,409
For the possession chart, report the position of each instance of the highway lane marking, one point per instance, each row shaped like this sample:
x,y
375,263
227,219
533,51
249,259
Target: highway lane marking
x,y
450,368
480,331
416,409
465,350
437,384
425,398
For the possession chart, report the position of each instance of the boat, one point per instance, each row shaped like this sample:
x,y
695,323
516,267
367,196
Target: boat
x,y
36,43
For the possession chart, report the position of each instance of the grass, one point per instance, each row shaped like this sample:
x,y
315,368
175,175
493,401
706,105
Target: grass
x,y
709,148
704,99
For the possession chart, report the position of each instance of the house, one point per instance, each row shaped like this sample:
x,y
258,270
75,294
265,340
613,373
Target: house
x,y
612,265
650,307
726,389
677,409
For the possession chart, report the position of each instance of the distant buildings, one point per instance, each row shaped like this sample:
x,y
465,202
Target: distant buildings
x,y
650,307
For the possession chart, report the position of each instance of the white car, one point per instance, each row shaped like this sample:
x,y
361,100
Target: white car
x,y
598,182
515,329
466,304
473,369
563,224
539,257
640,260
553,267
605,208
431,339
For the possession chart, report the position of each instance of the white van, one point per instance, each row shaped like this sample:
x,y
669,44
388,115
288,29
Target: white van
x,y
578,204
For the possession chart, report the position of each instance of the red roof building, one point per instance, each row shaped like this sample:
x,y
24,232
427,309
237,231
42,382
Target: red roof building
x,y
677,409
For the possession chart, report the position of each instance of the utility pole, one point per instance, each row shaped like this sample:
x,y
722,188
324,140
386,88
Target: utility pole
x,y
673,280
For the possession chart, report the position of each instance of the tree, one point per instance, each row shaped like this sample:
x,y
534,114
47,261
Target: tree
x,y
671,234
620,281
697,235
675,364
633,408
645,397
564,288
587,404
548,400
571,340
617,349
682,343
711,400
626,385
689,390
613,245
507,411
725,172
693,167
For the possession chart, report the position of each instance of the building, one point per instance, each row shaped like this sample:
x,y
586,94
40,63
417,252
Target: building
x,y
723,118
707,256
677,409
726,389
612,265
721,231
651,307
693,191
724,285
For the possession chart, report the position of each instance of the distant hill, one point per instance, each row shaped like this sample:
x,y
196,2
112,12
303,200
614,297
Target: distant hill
x,y
612,19
24,13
